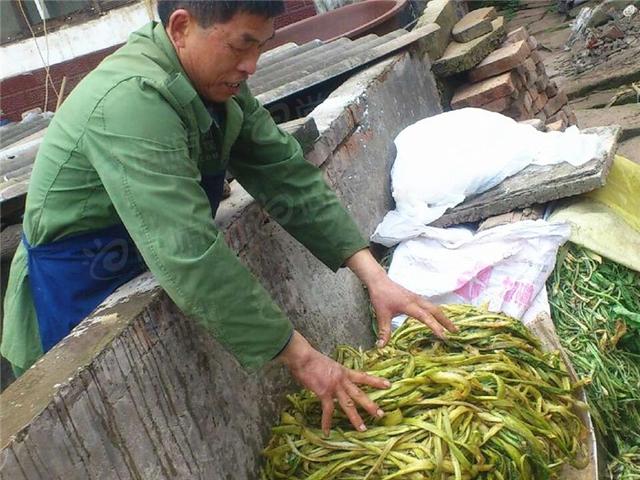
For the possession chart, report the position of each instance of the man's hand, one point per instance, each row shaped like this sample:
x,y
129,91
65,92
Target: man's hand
x,y
390,299
329,380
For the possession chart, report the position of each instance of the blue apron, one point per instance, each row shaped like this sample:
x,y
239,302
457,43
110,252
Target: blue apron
x,y
70,277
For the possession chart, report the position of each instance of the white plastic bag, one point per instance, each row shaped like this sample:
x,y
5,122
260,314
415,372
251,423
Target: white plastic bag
x,y
505,267
443,159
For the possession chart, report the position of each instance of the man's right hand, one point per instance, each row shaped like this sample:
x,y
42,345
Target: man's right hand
x,y
329,380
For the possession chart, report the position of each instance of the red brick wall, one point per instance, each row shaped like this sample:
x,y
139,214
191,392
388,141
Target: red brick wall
x,y
26,91
295,10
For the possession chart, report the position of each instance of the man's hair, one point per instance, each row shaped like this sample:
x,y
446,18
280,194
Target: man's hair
x,y
208,12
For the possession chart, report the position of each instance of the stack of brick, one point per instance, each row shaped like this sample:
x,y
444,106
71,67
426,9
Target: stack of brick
x,y
512,80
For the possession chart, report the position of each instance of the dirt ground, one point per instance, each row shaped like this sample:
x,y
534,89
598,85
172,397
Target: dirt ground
x,y
592,76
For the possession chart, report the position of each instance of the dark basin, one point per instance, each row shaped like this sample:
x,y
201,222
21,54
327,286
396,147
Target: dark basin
x,y
352,21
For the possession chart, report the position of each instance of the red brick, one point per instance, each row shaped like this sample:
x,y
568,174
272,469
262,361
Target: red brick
x,y
552,89
555,103
517,35
499,105
535,56
527,70
560,115
481,93
527,101
540,102
614,33
534,97
520,109
500,61
541,83
571,116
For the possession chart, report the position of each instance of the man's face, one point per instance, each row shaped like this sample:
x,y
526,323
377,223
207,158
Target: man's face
x,y
217,58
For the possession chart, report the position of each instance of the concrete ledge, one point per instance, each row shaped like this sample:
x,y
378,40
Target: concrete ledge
x,y
140,391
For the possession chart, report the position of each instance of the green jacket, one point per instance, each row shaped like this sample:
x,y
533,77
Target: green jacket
x,y
129,145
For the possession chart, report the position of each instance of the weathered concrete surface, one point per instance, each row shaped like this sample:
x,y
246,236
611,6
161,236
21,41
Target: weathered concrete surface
x,y
138,391
460,57
305,131
537,185
625,71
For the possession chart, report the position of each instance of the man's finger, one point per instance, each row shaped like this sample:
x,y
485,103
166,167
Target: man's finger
x,y
384,332
361,398
362,378
439,315
349,408
426,318
327,415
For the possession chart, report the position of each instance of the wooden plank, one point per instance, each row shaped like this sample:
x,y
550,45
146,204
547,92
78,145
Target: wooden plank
x,y
537,184
9,241
15,132
14,158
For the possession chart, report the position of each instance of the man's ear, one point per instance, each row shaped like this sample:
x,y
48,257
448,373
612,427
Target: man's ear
x,y
181,25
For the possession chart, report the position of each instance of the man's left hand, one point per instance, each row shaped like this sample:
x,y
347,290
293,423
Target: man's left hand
x,y
390,299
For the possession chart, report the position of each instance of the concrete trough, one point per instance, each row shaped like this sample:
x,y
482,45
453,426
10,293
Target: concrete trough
x,y
139,391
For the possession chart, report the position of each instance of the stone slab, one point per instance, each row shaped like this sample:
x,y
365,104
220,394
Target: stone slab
x,y
537,185
443,13
474,24
501,60
626,115
460,57
481,93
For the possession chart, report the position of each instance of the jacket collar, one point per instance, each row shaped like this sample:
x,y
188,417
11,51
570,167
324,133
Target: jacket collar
x,y
178,82
181,87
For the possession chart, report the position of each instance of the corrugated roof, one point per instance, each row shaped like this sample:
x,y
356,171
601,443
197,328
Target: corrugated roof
x,y
291,70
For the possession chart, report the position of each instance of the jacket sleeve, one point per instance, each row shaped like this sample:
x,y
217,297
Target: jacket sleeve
x,y
139,146
271,167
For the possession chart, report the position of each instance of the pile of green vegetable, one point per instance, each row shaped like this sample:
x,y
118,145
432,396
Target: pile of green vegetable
x,y
596,309
488,404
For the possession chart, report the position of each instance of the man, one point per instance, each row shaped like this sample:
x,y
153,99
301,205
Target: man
x,y
134,162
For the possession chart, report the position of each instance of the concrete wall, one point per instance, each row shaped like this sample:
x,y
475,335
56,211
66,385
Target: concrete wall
x,y
138,391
